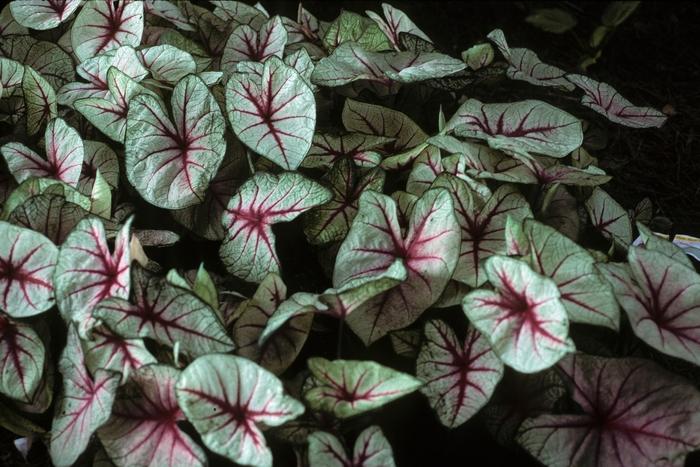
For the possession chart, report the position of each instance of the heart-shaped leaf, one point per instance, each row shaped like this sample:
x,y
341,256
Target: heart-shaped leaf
x,y
634,413
143,427
350,387
64,155
273,114
167,314
85,403
525,126
248,250
109,114
279,352
248,44
584,293
167,63
482,225
87,273
205,218
94,71
226,397
371,449
605,100
394,23
27,261
524,319
22,357
42,14
103,26
331,221
109,351
609,218
39,100
428,249
171,165
662,299
525,65
459,377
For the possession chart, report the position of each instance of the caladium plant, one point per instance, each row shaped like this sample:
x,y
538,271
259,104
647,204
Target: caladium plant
x,y
309,206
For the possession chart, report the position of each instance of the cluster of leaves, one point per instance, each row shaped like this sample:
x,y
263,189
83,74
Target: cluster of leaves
x,y
472,249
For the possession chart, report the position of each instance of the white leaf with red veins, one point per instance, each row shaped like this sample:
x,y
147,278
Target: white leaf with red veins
x,y
167,63
64,155
226,398
87,273
429,250
372,449
482,224
273,114
524,318
459,377
350,387
94,71
85,403
609,218
22,357
662,299
143,429
633,413
171,164
605,100
529,126
247,44
339,303
42,14
103,26
248,250
109,351
205,218
395,22
585,294
27,262
167,314
350,62
109,114
525,65
279,352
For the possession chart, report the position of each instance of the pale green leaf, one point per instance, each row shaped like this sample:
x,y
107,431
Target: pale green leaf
x,y
226,398
350,387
